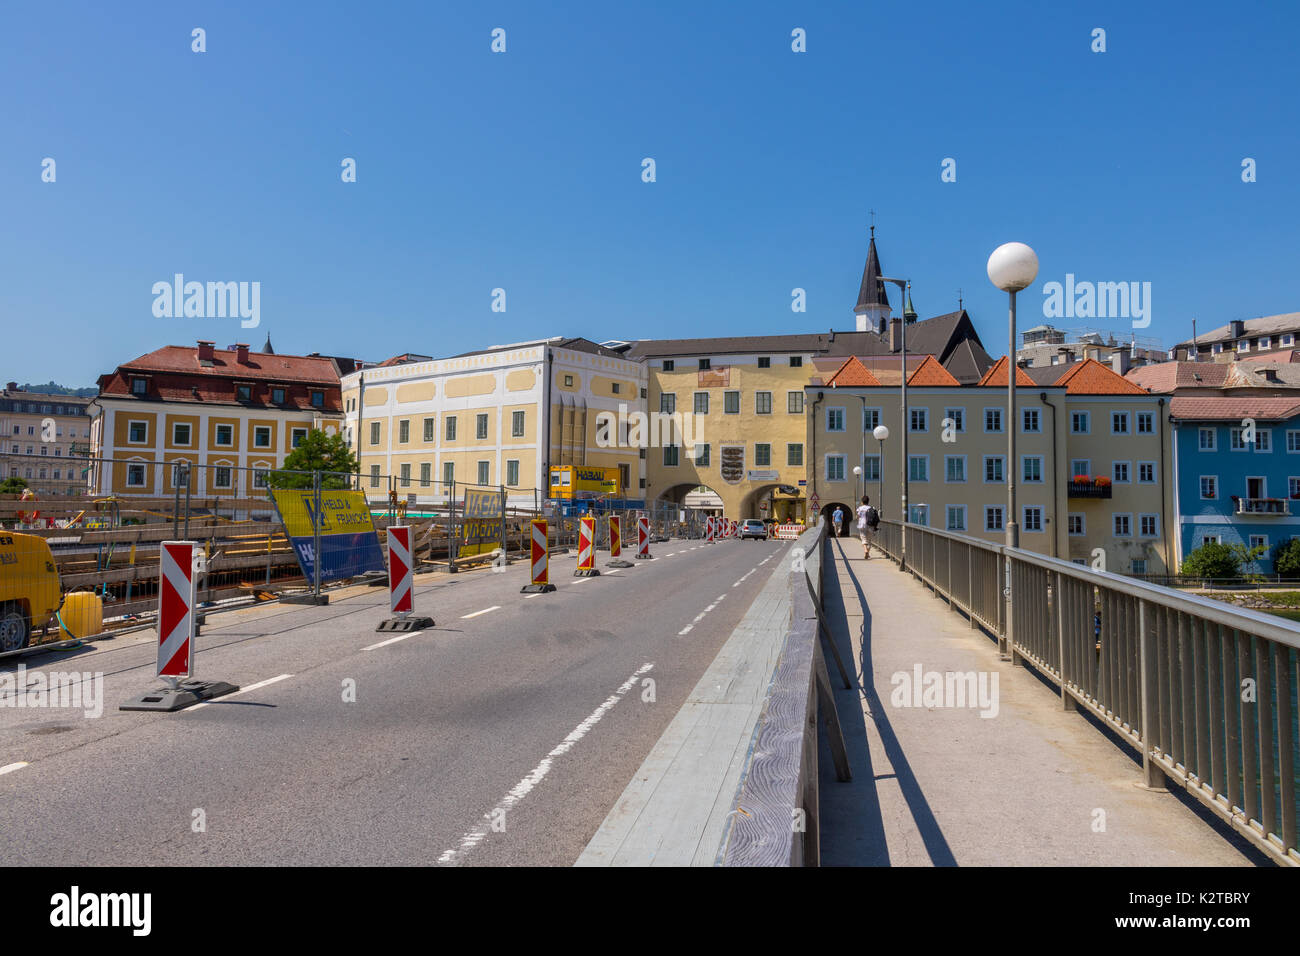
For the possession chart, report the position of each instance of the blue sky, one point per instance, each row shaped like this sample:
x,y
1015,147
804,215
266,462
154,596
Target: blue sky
x,y
522,170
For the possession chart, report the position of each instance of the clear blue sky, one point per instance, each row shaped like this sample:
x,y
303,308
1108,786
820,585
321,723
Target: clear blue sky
x,y
522,170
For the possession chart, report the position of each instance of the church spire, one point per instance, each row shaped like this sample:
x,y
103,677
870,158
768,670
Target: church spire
x,y
873,308
266,349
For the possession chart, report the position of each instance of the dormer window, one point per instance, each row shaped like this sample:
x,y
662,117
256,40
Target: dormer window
x,y
317,399
244,393
277,396
139,386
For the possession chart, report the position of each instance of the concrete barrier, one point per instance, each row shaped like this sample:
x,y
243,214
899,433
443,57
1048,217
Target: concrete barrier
x,y
684,804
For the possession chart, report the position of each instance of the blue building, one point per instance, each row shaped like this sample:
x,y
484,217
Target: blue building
x,y
1236,472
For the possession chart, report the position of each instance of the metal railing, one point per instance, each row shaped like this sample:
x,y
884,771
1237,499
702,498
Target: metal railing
x,y
1206,692
1263,506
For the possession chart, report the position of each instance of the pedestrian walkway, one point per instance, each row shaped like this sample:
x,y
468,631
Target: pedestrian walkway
x,y
941,785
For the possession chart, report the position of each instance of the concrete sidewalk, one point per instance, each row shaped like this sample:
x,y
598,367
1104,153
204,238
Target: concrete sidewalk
x,y
941,785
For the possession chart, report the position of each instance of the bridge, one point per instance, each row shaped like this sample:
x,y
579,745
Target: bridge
x,y
733,704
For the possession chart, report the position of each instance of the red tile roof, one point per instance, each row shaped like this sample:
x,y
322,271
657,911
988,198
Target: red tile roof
x,y
1285,357
1164,377
1221,408
997,375
175,374
930,372
852,374
1090,377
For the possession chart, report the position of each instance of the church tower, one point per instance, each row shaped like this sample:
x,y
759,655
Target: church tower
x,y
873,309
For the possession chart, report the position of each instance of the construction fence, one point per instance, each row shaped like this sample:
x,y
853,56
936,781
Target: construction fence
x,y
262,532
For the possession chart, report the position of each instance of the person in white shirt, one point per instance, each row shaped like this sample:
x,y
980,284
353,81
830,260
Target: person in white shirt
x,y
868,520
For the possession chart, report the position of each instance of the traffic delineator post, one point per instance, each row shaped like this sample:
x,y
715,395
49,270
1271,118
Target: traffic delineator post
x,y
586,549
401,584
709,530
616,543
540,560
176,631
643,538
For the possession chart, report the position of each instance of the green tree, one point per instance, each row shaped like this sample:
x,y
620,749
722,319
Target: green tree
x,y
13,485
1286,559
328,454
1213,560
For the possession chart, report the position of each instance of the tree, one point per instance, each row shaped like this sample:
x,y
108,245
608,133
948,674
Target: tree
x,y
1286,560
13,485
328,454
1213,560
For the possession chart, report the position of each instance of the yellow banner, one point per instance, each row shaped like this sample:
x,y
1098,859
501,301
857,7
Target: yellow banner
x,y
341,512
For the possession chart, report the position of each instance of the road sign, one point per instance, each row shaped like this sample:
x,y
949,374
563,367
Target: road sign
x,y
175,608
586,548
399,570
643,537
540,582
176,651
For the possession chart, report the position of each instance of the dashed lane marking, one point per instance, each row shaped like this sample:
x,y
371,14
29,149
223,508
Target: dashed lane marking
x,y
494,607
239,693
525,786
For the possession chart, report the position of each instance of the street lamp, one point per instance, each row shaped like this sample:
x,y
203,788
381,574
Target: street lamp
x,y
1012,267
904,285
857,473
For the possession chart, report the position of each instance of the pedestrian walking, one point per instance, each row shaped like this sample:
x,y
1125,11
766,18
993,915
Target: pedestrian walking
x,y
868,521
838,518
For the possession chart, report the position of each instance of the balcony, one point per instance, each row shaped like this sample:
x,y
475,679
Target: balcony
x,y
1262,506
1087,488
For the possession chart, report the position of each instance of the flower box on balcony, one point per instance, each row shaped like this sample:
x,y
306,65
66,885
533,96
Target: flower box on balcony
x,y
1082,487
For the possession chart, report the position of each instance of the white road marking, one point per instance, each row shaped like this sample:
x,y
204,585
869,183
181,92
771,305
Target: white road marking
x,y
613,570
494,607
582,580
525,786
11,767
685,630
391,640
243,690
531,596
742,578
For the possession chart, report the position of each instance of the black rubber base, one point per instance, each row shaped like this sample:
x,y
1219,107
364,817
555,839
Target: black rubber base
x,y
304,599
586,573
189,693
620,563
403,624
536,588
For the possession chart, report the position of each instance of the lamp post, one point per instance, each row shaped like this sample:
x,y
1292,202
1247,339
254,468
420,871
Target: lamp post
x,y
880,433
903,286
857,473
1011,267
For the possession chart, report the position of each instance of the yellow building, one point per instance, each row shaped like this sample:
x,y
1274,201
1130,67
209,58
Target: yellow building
x,y
45,440
232,414
480,419
1086,421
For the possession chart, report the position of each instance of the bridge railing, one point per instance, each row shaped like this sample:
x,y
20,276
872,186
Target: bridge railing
x,y
1205,691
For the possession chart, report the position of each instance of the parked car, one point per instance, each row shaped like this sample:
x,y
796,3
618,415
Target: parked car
x,y
753,528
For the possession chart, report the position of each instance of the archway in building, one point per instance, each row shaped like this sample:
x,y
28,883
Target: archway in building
x,y
774,503
846,525
691,504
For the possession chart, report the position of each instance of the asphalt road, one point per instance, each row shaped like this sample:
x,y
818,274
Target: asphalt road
x,y
502,736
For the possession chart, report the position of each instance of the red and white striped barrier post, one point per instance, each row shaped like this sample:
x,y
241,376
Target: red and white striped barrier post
x,y
175,610
401,581
616,543
176,630
708,530
643,538
586,549
540,561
